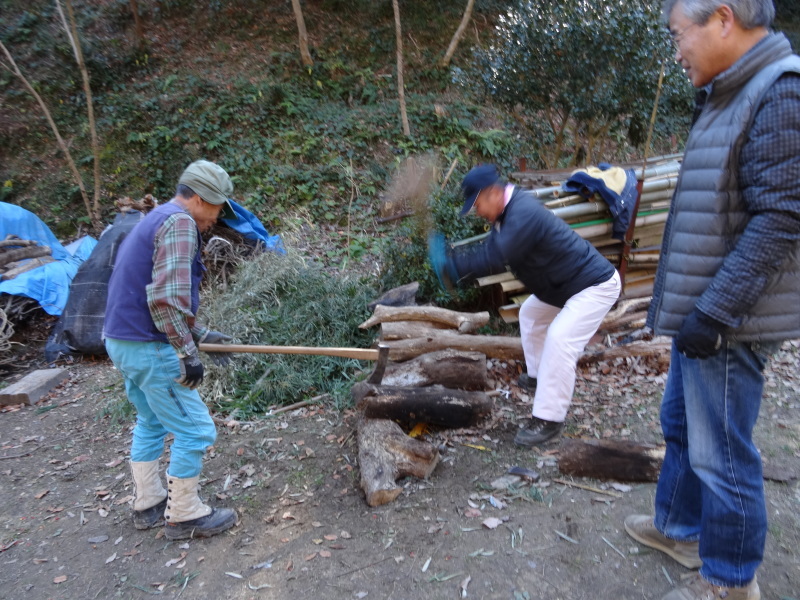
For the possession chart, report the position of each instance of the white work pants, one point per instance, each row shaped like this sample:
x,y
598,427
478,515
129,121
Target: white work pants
x,y
553,339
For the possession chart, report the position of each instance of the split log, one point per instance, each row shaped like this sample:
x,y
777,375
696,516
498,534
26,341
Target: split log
x,y
12,270
435,405
493,346
660,349
464,322
611,459
449,368
385,454
405,330
12,256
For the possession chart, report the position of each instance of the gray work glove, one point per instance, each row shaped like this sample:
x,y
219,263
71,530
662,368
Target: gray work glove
x,y
191,371
221,359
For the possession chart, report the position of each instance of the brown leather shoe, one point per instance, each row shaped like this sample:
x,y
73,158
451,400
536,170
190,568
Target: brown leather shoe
x,y
700,589
643,530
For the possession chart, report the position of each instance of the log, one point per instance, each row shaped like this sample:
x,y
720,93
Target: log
x,y
435,405
493,346
464,322
449,368
611,459
385,454
660,349
404,330
18,254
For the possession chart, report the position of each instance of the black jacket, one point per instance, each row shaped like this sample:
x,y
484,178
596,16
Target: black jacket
x,y
553,261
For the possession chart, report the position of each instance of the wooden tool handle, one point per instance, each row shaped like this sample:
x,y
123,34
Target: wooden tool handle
x,y
358,353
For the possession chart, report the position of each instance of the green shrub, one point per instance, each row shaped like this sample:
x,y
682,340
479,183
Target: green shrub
x,y
282,300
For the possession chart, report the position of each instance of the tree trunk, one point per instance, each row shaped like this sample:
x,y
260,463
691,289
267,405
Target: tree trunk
x,y
611,459
385,453
493,346
137,22
462,27
400,85
449,368
72,32
433,405
13,68
301,30
464,322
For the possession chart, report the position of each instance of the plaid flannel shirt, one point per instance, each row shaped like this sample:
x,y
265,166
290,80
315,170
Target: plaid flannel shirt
x,y
169,296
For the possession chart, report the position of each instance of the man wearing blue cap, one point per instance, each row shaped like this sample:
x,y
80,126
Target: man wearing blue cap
x,y
151,335
572,288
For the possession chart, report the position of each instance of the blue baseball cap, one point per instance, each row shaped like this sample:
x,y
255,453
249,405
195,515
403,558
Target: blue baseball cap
x,y
477,179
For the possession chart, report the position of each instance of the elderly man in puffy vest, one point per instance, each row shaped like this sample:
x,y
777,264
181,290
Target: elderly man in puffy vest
x,y
727,289
151,335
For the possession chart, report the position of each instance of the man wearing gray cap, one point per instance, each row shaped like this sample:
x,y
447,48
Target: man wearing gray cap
x,y
151,334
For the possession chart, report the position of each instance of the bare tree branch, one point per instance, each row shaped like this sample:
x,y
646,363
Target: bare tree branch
x,y
400,85
301,30
462,27
13,68
94,213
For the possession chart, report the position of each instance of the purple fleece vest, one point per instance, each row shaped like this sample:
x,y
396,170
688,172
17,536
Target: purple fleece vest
x,y
127,313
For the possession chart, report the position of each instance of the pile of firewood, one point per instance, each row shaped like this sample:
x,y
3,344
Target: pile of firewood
x,y
18,256
436,374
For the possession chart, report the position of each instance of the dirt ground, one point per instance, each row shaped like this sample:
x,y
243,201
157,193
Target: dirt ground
x,y
305,530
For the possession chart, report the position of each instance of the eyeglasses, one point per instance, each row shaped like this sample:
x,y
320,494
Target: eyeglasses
x,y
677,37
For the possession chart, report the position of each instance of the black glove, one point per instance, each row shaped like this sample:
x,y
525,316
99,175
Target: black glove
x,y
700,336
191,371
441,261
221,359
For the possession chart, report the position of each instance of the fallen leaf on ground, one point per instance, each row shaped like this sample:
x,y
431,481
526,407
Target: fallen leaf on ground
x,y
463,586
491,522
111,558
472,513
173,561
60,579
41,495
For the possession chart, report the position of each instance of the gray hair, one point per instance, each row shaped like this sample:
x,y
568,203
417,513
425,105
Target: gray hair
x,y
749,13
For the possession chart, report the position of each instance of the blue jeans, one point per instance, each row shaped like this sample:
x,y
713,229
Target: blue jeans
x,y
162,406
711,486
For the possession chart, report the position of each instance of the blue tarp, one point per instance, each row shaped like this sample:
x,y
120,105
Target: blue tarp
x,y
250,227
48,284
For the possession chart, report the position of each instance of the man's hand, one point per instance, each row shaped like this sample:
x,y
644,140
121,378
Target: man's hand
x,y
441,262
221,359
700,336
191,371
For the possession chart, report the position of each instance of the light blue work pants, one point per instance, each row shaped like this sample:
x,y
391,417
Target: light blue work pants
x,y
162,406
711,487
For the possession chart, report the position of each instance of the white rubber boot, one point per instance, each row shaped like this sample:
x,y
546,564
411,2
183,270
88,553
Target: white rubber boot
x,y
188,517
151,497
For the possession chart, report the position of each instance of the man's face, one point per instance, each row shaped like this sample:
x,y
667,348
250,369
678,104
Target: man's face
x,y
204,213
697,46
489,203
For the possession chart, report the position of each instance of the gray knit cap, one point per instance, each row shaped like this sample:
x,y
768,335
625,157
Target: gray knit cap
x,y
212,183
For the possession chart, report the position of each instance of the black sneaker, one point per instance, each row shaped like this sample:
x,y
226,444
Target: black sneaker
x,y
150,517
219,520
527,383
537,432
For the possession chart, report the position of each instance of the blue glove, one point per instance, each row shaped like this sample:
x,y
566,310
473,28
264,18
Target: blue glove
x,y
441,261
700,336
221,359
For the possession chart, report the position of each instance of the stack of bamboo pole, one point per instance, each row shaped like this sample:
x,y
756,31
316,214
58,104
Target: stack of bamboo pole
x,y
591,219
